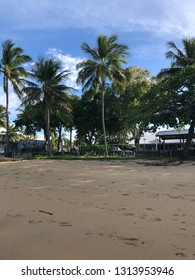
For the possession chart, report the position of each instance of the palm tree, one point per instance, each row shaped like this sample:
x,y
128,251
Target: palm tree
x,y
103,67
30,119
13,74
62,117
47,87
2,116
182,60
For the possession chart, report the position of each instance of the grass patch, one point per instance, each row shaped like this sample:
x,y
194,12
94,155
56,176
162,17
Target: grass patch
x,y
76,157
163,160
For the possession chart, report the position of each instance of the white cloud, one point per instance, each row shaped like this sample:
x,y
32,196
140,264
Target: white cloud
x,y
160,17
68,63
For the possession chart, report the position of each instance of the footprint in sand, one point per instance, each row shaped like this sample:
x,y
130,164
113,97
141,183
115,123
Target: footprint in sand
x,y
131,241
17,216
121,209
157,219
180,255
127,240
65,224
88,233
32,222
129,214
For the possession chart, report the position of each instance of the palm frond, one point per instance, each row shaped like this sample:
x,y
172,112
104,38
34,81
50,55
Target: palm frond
x,y
91,52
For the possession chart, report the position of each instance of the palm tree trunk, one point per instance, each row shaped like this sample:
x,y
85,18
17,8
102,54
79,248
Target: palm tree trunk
x,y
103,121
7,115
48,128
185,153
71,139
59,137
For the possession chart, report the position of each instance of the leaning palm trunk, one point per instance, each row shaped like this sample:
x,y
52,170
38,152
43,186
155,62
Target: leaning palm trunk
x,y
103,122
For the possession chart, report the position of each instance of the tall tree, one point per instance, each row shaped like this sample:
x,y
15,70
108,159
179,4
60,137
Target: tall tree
x,y
133,102
87,119
61,117
47,87
183,69
104,66
31,119
13,74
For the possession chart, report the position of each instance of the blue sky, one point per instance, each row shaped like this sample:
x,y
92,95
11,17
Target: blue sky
x,y
59,27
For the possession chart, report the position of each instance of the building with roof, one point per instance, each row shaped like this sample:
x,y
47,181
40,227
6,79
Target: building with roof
x,y
173,139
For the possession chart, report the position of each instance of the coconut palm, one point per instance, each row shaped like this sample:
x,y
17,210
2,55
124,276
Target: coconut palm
x,y
183,60
30,119
13,74
2,116
104,66
47,86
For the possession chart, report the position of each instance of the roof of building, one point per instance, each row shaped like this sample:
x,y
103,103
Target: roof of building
x,y
173,134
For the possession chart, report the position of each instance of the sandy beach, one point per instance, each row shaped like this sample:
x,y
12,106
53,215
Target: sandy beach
x,y
52,209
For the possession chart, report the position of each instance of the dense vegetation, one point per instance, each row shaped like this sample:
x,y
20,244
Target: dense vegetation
x,y
116,101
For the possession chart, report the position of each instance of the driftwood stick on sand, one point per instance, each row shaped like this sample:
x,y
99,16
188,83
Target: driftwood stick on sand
x,y
45,212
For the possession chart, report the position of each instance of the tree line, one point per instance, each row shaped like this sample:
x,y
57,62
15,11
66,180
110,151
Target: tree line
x,y
116,99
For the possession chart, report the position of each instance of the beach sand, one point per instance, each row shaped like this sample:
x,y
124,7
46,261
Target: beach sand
x,y
52,209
